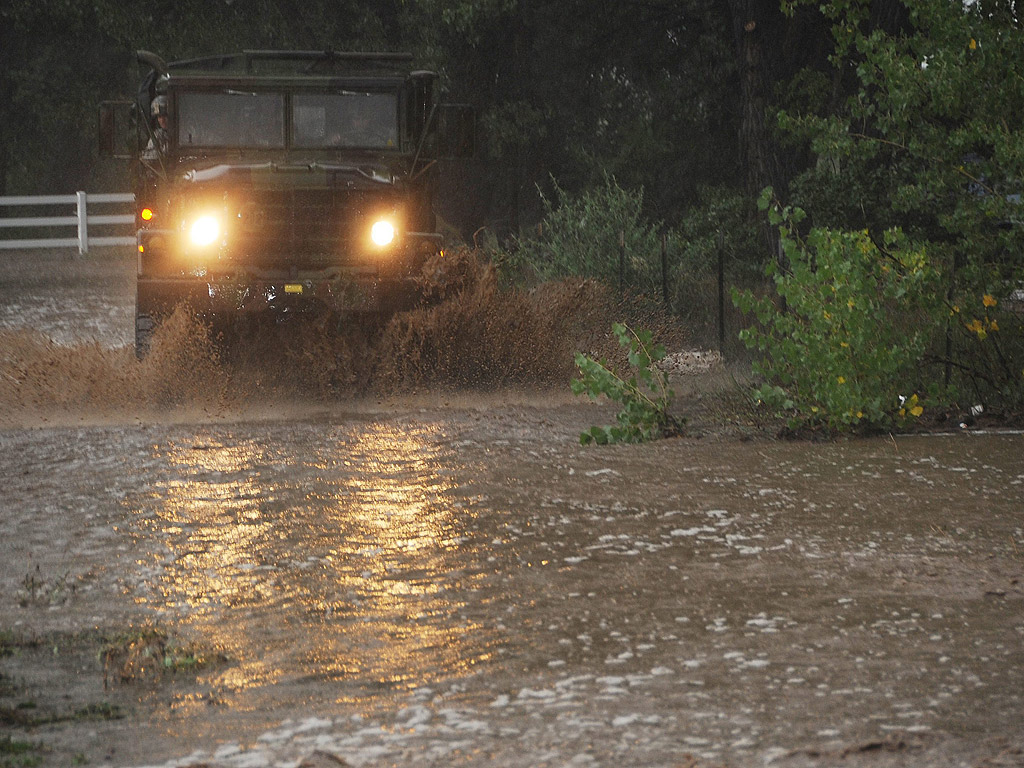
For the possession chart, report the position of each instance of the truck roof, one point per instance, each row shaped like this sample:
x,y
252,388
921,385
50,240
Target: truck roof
x,y
288,67
299,63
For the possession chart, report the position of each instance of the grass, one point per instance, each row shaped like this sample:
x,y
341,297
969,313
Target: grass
x,y
27,714
7,643
15,753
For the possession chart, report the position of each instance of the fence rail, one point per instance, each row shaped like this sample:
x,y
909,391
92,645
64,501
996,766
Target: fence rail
x,y
81,219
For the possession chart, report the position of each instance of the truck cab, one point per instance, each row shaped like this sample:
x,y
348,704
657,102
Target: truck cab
x,y
286,181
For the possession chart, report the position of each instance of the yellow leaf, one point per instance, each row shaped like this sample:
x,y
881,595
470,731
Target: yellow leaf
x,y
917,410
973,45
993,326
989,300
842,379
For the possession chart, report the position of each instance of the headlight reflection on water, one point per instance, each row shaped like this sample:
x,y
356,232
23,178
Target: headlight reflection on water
x,y
340,557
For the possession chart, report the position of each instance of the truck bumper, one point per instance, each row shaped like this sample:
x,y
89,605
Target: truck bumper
x,y
159,296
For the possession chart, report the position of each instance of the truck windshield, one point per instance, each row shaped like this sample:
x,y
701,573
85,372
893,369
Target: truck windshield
x,y
346,119
231,119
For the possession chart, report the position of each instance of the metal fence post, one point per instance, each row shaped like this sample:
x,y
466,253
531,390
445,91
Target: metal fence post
x,y
664,268
83,223
721,291
622,259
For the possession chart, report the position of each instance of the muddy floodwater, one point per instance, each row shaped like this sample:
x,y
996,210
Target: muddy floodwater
x,y
446,578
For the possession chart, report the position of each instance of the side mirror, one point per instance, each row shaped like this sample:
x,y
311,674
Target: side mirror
x,y
456,130
114,128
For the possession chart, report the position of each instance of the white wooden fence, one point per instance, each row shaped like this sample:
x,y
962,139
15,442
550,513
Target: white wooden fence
x,y
81,219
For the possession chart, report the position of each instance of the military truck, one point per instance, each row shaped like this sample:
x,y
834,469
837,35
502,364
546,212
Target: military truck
x,y
271,183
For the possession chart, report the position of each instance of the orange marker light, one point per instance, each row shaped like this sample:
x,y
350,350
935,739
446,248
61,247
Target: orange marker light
x,y
146,214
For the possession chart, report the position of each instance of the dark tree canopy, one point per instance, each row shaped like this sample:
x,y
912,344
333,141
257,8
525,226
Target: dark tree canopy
x,y
669,95
657,93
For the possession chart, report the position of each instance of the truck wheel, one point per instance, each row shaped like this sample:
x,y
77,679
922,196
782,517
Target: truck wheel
x,y
145,326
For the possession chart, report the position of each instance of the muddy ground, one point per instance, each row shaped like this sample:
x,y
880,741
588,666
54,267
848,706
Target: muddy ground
x,y
206,565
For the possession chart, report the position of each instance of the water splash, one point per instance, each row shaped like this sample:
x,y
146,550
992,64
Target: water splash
x,y
471,334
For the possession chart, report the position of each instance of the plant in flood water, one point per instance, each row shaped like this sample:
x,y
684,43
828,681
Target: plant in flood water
x,y
645,396
147,652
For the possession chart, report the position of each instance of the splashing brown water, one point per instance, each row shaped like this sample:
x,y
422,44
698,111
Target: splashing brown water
x,y
473,335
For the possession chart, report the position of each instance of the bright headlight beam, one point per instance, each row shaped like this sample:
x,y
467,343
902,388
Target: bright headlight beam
x,y
205,230
382,233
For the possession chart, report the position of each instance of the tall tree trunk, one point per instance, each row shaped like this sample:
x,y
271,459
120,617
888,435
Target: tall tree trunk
x,y
757,26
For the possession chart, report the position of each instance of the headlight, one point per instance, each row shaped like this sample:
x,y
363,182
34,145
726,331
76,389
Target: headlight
x,y
382,233
204,231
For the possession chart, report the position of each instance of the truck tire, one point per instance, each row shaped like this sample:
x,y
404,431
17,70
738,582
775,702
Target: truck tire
x,y
145,326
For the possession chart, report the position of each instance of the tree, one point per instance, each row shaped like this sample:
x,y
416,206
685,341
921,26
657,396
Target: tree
x,y
576,89
928,148
55,66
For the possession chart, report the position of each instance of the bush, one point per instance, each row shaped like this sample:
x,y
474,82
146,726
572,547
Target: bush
x,y
579,236
845,349
927,149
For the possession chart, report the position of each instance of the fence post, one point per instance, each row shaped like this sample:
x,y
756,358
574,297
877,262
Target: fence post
x,y
664,268
721,291
622,259
83,223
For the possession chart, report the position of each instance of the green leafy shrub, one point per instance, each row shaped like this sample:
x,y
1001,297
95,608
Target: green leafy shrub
x,y
645,396
927,146
846,348
579,236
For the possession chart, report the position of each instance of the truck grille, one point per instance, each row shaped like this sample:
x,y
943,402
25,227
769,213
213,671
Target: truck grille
x,y
300,227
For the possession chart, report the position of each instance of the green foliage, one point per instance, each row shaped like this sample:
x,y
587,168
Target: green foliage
x,y
512,128
579,236
722,217
645,396
845,348
929,143
645,92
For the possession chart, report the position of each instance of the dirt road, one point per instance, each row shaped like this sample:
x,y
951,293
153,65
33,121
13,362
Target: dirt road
x,y
442,580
